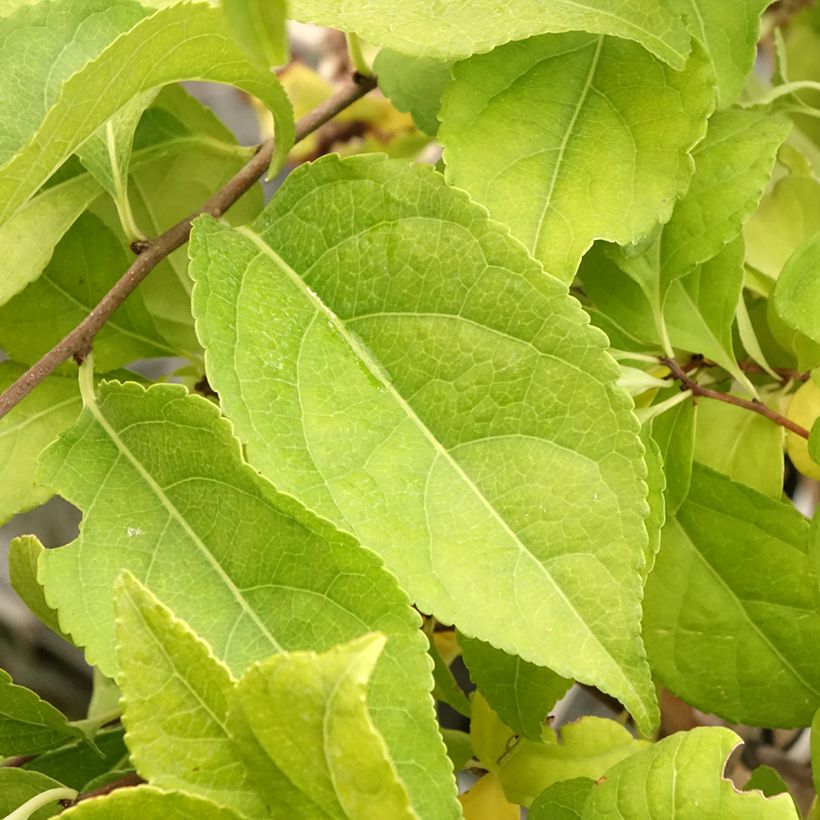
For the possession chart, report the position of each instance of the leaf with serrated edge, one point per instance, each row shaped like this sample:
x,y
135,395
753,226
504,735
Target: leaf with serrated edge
x,y
730,641
548,100
681,776
276,576
563,800
176,696
149,803
586,748
452,29
404,368
797,292
26,430
24,554
730,32
28,724
674,432
657,482
308,714
521,692
174,44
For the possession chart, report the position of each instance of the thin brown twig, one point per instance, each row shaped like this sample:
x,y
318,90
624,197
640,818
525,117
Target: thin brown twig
x,y
78,342
126,782
682,376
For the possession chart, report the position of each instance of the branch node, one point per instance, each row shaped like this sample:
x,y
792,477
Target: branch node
x,y
139,246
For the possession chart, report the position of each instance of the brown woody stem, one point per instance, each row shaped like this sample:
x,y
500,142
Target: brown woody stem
x,y
77,343
680,374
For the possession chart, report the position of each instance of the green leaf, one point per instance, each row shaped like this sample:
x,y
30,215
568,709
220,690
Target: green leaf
x,y
18,786
448,31
700,308
308,715
744,446
445,687
814,441
88,260
107,155
730,32
459,747
24,553
656,481
491,739
413,84
393,367
786,218
79,763
29,237
277,576
520,692
681,777
25,430
588,747
149,803
43,45
28,724
563,800
176,698
259,26
547,100
174,44
732,168
732,604
767,780
674,433
797,292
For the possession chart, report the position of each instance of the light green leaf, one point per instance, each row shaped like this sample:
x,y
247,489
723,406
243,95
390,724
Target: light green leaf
x,y
446,30
732,169
730,32
24,431
814,441
674,433
308,715
24,553
588,747
259,26
107,155
563,800
657,482
406,370
547,100
728,640
176,698
278,577
459,747
88,260
179,43
786,218
797,292
43,45
681,777
29,237
491,739
149,803
18,786
413,84
29,724
445,687
520,692
744,446
700,308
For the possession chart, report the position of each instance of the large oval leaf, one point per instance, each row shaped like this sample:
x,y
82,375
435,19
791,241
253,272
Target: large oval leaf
x,y
395,360
250,570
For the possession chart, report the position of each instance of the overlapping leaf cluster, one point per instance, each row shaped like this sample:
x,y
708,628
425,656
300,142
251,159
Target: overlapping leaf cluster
x,y
444,390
